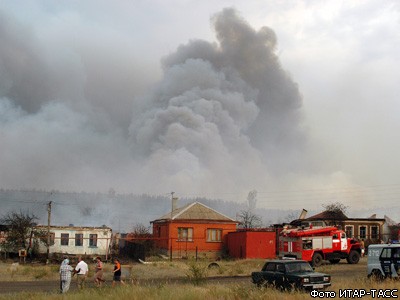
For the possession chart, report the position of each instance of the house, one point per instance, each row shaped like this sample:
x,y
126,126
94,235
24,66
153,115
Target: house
x,y
252,243
75,240
192,230
372,229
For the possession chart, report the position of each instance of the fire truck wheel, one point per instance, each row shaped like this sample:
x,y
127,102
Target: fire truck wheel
x,y
317,260
354,257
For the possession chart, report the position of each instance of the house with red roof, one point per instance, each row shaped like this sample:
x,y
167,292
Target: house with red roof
x,y
194,230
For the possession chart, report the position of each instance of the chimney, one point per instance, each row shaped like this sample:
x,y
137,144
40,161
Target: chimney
x,y
303,214
174,203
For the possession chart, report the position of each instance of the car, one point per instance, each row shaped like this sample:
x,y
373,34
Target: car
x,y
383,261
290,274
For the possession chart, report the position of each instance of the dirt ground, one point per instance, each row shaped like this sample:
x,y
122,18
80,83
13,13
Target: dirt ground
x,y
339,272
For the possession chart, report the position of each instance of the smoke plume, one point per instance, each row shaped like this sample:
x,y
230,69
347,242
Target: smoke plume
x,y
223,117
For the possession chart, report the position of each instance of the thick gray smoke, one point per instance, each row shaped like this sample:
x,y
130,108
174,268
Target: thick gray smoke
x,y
224,116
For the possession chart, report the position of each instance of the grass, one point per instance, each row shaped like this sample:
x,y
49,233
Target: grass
x,y
344,276
180,291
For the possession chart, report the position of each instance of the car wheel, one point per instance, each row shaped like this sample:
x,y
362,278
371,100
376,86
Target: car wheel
x,y
354,257
262,283
317,260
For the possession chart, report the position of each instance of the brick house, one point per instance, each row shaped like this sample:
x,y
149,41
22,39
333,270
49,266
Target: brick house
x,y
192,230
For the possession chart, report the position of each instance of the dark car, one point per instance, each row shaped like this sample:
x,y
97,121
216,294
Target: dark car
x,y
290,274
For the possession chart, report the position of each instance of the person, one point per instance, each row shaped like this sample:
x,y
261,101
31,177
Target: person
x,y
98,276
65,276
362,245
81,270
117,272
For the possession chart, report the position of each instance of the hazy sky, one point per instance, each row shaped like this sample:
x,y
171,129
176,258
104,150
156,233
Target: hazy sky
x,y
298,100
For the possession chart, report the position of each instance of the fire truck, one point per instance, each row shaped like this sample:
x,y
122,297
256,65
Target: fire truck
x,y
317,244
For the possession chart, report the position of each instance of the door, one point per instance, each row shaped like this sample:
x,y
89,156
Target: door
x,y
343,241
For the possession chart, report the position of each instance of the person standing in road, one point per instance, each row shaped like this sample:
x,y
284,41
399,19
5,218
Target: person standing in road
x,y
98,276
81,270
65,275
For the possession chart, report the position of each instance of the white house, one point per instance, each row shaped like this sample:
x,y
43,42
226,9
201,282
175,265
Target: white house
x,y
77,240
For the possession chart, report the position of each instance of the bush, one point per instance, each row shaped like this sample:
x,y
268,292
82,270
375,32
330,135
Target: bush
x,y
197,273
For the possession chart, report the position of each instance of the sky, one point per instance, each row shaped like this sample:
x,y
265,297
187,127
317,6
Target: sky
x,y
297,100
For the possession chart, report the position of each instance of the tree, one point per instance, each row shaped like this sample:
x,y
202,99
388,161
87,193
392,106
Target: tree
x,y
336,207
20,227
141,235
141,231
335,212
248,219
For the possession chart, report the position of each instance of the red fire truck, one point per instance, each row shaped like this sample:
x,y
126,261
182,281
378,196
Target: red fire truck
x,y
318,244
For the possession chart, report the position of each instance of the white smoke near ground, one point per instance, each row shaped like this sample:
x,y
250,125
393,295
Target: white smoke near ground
x,y
224,117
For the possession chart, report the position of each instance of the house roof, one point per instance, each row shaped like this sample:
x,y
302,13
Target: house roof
x,y
389,221
337,216
74,227
195,211
329,215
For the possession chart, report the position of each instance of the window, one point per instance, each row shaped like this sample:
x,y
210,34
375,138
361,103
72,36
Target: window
x,y
79,239
214,235
396,252
363,232
386,253
64,239
185,234
349,231
269,267
280,268
374,232
92,240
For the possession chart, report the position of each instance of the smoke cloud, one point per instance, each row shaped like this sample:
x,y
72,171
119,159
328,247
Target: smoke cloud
x,y
224,116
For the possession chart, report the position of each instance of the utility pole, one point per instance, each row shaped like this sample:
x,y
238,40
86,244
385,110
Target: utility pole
x,y
169,227
48,229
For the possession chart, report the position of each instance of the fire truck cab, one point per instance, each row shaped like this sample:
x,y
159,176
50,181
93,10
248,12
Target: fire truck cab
x,y
317,244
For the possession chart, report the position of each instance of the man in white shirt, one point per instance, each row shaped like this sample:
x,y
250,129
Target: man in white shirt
x,y
81,271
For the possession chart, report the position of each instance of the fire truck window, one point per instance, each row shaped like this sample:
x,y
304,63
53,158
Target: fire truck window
x,y
307,244
343,235
335,236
